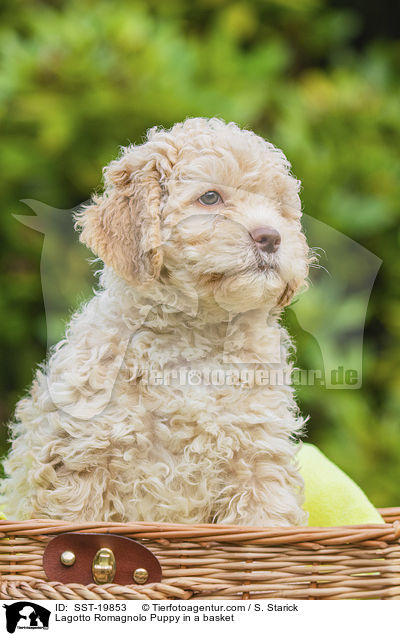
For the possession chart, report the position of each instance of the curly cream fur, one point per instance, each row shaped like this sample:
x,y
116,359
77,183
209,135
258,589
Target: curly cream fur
x,y
183,286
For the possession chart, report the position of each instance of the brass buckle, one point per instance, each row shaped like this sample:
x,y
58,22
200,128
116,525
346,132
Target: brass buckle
x,y
103,566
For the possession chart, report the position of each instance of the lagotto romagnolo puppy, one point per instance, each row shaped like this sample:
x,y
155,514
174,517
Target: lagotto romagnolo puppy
x,y
160,404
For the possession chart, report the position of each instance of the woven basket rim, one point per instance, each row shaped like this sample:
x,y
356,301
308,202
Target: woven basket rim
x,y
204,533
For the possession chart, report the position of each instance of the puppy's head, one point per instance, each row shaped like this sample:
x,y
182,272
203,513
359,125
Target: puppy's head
x,y
205,204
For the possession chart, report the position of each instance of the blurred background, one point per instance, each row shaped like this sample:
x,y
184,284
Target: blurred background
x,y
318,78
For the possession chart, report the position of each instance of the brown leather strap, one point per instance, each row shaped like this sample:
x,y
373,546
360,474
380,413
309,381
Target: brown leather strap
x,y
129,556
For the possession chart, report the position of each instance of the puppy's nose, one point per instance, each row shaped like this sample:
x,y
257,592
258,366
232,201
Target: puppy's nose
x,y
267,238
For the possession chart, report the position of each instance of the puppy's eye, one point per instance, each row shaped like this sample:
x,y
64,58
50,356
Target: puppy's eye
x,y
210,198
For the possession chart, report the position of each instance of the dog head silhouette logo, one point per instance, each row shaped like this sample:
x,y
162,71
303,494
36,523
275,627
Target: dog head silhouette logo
x,y
26,615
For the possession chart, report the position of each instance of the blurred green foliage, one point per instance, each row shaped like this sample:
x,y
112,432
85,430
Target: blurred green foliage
x,y
81,77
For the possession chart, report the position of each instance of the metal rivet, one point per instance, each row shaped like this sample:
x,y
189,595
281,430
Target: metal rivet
x,y
140,576
67,558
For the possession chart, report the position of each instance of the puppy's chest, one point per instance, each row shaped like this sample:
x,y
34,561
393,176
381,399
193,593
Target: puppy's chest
x,y
187,421
181,380
184,404
178,339
176,358
180,371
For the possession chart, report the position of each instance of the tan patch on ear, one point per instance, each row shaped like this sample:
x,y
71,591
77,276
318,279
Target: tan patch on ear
x,y
287,294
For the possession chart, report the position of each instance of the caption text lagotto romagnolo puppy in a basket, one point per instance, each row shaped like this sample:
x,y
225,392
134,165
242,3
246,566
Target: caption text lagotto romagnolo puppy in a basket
x,y
157,405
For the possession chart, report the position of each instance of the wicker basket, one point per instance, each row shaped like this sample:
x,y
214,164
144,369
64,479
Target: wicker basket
x,y
221,562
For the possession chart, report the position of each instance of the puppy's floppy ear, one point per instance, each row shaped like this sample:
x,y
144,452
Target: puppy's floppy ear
x,y
122,226
299,283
